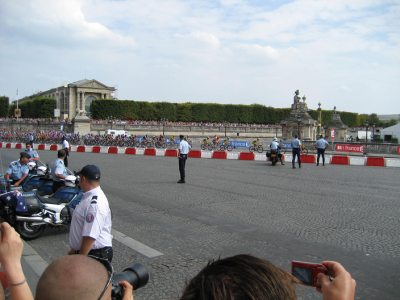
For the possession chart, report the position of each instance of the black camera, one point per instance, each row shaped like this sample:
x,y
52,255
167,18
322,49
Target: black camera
x,y
137,275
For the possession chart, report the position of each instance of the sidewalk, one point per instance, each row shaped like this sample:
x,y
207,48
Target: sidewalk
x,y
33,266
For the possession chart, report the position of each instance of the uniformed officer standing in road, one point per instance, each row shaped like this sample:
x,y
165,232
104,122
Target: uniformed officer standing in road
x,y
184,149
32,153
58,171
18,170
90,231
321,145
296,146
65,146
31,140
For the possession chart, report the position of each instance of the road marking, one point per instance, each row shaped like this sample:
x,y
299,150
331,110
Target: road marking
x,y
135,245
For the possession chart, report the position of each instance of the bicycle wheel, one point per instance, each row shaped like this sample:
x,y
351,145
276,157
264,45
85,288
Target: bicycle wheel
x,y
251,149
210,147
222,148
203,147
305,151
176,146
230,148
260,149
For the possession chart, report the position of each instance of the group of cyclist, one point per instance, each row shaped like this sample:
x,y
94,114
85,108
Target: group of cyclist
x,y
42,137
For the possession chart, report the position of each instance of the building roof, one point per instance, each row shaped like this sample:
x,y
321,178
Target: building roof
x,y
79,82
394,128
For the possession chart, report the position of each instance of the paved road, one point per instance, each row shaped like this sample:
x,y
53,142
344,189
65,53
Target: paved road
x,y
345,213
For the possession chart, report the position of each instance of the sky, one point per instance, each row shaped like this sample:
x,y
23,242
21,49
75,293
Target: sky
x,y
343,53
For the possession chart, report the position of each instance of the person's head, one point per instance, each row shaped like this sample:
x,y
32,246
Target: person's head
x,y
240,277
73,277
181,137
24,158
320,136
89,177
295,136
61,154
28,146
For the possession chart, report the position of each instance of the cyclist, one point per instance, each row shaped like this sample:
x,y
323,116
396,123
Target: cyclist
x,y
145,138
172,139
256,143
216,138
206,141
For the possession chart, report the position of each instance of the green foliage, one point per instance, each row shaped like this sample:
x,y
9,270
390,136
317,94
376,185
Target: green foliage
x,y
4,106
373,119
39,107
184,112
232,113
348,118
394,140
165,110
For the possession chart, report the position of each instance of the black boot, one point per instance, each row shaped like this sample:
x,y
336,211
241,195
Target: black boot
x,y
182,180
294,167
299,165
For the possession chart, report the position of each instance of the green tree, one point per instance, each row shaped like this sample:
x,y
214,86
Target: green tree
x,y
373,119
4,106
184,112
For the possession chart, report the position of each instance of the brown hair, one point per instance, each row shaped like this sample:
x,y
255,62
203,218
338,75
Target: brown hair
x,y
241,277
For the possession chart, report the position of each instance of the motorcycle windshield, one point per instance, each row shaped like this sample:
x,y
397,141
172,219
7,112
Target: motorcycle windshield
x,y
15,199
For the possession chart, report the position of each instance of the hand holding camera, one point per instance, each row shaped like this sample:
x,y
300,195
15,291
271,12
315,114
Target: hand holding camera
x,y
340,287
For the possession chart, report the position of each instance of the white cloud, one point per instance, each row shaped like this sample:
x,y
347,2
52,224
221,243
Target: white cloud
x,y
202,37
260,51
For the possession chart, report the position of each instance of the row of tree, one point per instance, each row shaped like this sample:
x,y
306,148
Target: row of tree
x,y
43,107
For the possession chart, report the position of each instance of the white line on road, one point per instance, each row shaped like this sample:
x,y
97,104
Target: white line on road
x,y
135,245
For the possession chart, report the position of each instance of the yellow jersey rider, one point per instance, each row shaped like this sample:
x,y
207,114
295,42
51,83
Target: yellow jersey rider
x,y
256,143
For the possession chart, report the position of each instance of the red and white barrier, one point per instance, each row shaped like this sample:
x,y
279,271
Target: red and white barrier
x,y
18,146
131,151
375,161
232,155
171,152
340,160
53,147
246,156
307,159
219,154
150,151
195,153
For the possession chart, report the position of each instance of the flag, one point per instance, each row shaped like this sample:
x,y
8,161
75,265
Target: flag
x,y
17,91
15,198
57,91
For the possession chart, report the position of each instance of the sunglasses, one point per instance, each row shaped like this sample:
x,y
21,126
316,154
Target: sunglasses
x,y
110,271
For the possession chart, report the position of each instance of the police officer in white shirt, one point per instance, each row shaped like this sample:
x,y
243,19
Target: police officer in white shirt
x,y
321,145
33,154
65,146
58,171
275,146
184,149
90,231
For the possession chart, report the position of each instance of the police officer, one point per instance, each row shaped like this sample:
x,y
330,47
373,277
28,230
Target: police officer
x,y
296,146
275,146
58,171
321,145
31,140
18,170
65,146
90,231
184,149
33,154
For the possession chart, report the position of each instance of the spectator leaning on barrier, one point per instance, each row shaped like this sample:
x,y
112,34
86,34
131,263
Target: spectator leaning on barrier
x,y
321,145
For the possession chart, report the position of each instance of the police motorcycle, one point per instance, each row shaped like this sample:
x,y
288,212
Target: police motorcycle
x,y
274,155
29,213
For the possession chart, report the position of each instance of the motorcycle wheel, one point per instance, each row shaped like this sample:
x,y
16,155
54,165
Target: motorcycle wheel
x,y
28,232
273,161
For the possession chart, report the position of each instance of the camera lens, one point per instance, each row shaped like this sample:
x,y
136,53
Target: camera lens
x,y
137,275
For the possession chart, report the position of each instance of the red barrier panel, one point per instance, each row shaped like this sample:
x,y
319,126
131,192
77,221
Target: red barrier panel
x,y
148,151
8,145
340,160
246,156
375,161
1,145
18,146
310,159
195,153
54,147
220,154
171,152
113,150
41,147
398,150
96,149
81,149
130,151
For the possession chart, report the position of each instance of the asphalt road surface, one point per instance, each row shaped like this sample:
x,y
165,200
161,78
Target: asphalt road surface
x,y
348,214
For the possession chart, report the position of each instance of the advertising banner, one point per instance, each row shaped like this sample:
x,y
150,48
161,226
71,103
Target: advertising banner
x,y
237,144
350,148
287,145
332,134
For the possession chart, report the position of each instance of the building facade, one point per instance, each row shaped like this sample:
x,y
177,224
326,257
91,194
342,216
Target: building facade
x,y
74,99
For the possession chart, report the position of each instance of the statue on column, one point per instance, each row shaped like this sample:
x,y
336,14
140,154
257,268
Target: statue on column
x,y
296,96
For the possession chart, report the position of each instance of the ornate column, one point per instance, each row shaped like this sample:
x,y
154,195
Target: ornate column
x,y
83,101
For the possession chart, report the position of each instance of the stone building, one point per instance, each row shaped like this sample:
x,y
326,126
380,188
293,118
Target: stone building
x,y
74,98
336,124
299,122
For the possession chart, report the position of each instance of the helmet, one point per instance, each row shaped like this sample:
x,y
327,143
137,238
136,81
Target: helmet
x,y
70,180
31,165
41,170
275,139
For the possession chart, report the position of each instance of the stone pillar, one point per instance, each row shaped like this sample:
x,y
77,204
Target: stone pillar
x,y
77,99
83,101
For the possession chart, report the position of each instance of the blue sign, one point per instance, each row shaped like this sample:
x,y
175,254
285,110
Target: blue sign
x,y
287,145
238,144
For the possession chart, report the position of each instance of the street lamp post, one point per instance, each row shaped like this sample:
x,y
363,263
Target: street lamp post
x,y
163,120
276,129
366,132
225,123
373,136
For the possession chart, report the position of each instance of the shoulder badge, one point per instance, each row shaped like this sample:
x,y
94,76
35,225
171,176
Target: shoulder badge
x,y
94,200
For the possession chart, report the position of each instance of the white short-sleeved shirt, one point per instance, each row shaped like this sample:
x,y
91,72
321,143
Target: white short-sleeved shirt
x,y
184,147
92,218
58,167
274,145
321,144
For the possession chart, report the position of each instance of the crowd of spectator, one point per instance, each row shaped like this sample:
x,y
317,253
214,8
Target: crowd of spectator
x,y
35,120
